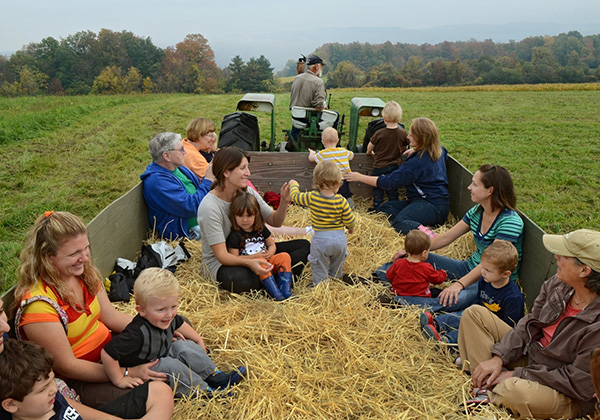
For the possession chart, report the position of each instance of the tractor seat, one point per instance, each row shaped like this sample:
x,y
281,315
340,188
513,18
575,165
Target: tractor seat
x,y
301,117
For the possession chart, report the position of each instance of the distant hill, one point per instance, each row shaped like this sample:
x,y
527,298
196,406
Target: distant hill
x,y
279,47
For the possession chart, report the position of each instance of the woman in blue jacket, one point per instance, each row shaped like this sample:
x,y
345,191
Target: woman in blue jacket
x,y
424,177
172,192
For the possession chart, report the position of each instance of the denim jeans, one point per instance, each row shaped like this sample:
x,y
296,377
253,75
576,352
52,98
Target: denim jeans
x,y
465,299
378,192
408,215
455,269
447,325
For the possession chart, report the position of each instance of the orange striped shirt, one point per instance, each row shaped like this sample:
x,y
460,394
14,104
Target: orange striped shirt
x,y
86,333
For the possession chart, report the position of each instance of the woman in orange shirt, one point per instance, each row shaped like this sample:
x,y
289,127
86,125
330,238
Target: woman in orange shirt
x,y
65,309
200,145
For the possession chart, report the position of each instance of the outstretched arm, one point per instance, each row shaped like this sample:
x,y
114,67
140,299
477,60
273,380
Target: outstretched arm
x,y
278,216
358,177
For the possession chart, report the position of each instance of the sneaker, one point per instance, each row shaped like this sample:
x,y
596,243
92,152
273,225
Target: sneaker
x,y
432,333
211,393
426,318
221,380
480,398
427,231
458,363
355,279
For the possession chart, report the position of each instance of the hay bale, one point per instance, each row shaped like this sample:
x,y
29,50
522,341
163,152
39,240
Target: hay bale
x,y
332,352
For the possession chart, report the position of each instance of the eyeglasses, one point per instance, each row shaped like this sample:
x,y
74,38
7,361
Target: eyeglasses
x,y
181,149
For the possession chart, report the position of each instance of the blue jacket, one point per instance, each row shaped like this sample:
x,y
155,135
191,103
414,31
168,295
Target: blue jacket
x,y
422,178
169,205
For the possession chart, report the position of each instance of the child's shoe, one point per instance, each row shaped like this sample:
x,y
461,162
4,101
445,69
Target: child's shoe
x,y
480,399
458,362
271,287
210,393
427,231
221,380
426,318
432,333
284,279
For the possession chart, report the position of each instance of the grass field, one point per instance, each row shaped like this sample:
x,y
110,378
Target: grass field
x,y
81,153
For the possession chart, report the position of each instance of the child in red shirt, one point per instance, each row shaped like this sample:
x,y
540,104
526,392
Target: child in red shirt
x,y
411,276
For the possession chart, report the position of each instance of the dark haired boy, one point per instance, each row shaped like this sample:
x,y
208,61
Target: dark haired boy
x,y
28,390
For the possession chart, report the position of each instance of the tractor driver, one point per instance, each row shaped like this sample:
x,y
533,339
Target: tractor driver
x,y
308,90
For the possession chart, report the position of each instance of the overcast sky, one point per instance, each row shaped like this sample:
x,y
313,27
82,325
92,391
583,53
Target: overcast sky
x,y
272,27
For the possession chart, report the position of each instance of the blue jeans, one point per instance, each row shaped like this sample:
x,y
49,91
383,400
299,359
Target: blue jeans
x,y
408,215
447,325
465,299
378,192
455,269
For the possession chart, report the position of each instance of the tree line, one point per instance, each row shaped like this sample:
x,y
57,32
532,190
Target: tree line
x,y
120,62
565,58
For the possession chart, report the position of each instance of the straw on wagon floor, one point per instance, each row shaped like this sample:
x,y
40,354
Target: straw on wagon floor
x,y
332,352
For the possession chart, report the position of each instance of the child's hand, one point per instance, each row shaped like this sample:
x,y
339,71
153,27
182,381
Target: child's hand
x,y
178,335
259,267
261,255
127,382
408,152
350,231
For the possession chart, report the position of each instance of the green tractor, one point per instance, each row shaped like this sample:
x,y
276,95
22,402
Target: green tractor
x,y
241,128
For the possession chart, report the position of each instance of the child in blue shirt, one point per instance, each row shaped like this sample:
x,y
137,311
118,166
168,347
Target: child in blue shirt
x,y
496,291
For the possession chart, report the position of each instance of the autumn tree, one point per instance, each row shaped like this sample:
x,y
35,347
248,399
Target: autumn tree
x,y
412,71
108,82
198,53
345,74
132,82
178,74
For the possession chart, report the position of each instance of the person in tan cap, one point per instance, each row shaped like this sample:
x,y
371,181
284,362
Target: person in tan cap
x,y
541,368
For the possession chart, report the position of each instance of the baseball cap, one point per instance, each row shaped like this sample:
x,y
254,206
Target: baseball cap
x,y
314,59
583,244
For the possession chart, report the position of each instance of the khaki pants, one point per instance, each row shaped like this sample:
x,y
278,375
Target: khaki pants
x,y
479,330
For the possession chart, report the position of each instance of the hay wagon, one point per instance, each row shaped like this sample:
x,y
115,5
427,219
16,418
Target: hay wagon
x,y
320,355
119,229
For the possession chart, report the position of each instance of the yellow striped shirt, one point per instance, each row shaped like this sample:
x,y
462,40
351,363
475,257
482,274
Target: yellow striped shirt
x,y
339,155
326,213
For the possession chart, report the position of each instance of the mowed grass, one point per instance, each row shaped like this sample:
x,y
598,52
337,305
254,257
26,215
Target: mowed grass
x,y
81,153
